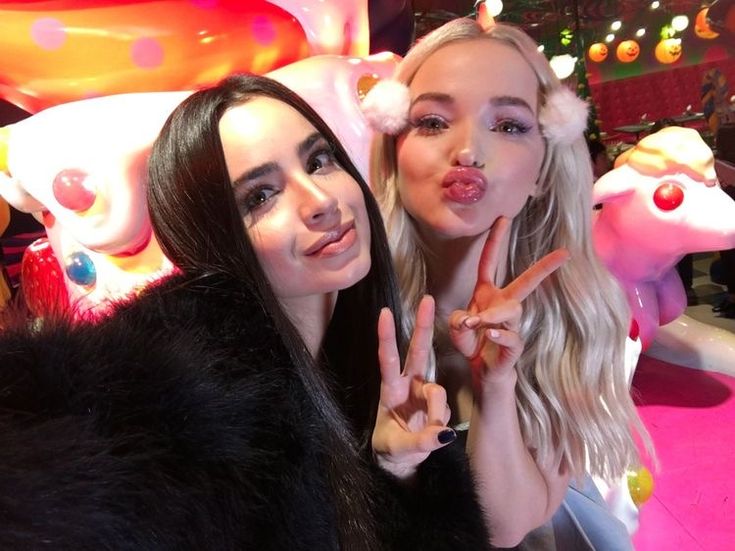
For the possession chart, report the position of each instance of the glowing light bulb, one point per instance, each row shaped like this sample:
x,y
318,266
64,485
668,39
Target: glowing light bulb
x,y
609,38
640,32
615,25
562,65
680,22
494,7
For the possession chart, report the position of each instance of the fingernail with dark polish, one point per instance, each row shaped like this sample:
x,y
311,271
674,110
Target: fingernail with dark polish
x,y
446,436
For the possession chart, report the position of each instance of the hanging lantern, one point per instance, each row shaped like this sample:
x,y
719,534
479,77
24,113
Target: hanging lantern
x,y
598,52
628,50
668,50
701,26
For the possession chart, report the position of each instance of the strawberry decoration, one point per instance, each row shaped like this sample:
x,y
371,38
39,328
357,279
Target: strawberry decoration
x,y
42,280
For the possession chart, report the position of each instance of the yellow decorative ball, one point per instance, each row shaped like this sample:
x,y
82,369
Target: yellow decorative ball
x,y
640,485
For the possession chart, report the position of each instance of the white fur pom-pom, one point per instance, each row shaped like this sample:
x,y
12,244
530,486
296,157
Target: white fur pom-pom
x,y
564,116
386,106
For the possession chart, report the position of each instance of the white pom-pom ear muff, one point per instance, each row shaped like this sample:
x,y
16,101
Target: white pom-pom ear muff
x,y
563,118
386,106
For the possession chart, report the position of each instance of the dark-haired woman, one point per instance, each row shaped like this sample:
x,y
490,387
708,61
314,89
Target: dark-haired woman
x,y
239,405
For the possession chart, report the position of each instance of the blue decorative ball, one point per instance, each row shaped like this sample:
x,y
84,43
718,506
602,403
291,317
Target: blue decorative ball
x,y
80,269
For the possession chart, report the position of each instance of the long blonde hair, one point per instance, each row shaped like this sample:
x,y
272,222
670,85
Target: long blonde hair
x,y
572,394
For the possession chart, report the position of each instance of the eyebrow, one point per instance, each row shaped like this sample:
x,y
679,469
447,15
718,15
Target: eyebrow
x,y
309,142
267,168
502,101
497,101
254,173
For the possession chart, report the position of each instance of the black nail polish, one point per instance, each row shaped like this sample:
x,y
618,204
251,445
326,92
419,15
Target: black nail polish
x,y
446,436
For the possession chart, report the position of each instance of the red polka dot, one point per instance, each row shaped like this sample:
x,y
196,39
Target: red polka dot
x,y
147,53
48,33
263,30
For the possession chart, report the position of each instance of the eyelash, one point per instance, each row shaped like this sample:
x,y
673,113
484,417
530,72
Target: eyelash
x,y
430,125
260,194
331,159
256,198
516,127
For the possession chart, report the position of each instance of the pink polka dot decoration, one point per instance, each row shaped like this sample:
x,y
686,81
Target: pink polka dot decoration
x,y
263,31
72,190
147,53
48,33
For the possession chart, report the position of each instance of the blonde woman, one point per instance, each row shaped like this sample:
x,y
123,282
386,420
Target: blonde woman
x,y
484,179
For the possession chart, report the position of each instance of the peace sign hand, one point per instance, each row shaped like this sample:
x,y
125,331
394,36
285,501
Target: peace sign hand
x,y
487,332
413,413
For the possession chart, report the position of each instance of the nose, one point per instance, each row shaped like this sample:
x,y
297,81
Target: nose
x,y
469,150
317,207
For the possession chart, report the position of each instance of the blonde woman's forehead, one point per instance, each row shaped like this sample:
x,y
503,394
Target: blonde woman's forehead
x,y
484,68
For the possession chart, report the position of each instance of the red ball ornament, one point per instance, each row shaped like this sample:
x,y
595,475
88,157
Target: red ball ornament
x,y
72,191
668,196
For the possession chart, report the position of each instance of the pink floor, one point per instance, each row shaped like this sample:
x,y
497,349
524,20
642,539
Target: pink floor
x,y
691,417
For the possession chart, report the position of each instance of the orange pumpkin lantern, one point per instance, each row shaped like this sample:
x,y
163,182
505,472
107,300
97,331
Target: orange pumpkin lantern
x,y
628,50
598,52
702,28
668,50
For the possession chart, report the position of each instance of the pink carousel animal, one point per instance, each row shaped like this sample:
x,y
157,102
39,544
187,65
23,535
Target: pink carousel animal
x,y
80,167
660,202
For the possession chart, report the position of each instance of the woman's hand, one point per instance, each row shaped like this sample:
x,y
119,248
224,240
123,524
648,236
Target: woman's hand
x,y
413,413
517,493
487,332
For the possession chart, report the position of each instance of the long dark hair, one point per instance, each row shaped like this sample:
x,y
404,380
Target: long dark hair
x,y
196,220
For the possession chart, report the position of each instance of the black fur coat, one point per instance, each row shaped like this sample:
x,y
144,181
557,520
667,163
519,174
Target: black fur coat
x,y
179,423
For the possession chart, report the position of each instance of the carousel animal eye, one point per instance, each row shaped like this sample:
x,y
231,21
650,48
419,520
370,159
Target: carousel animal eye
x,y
668,196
